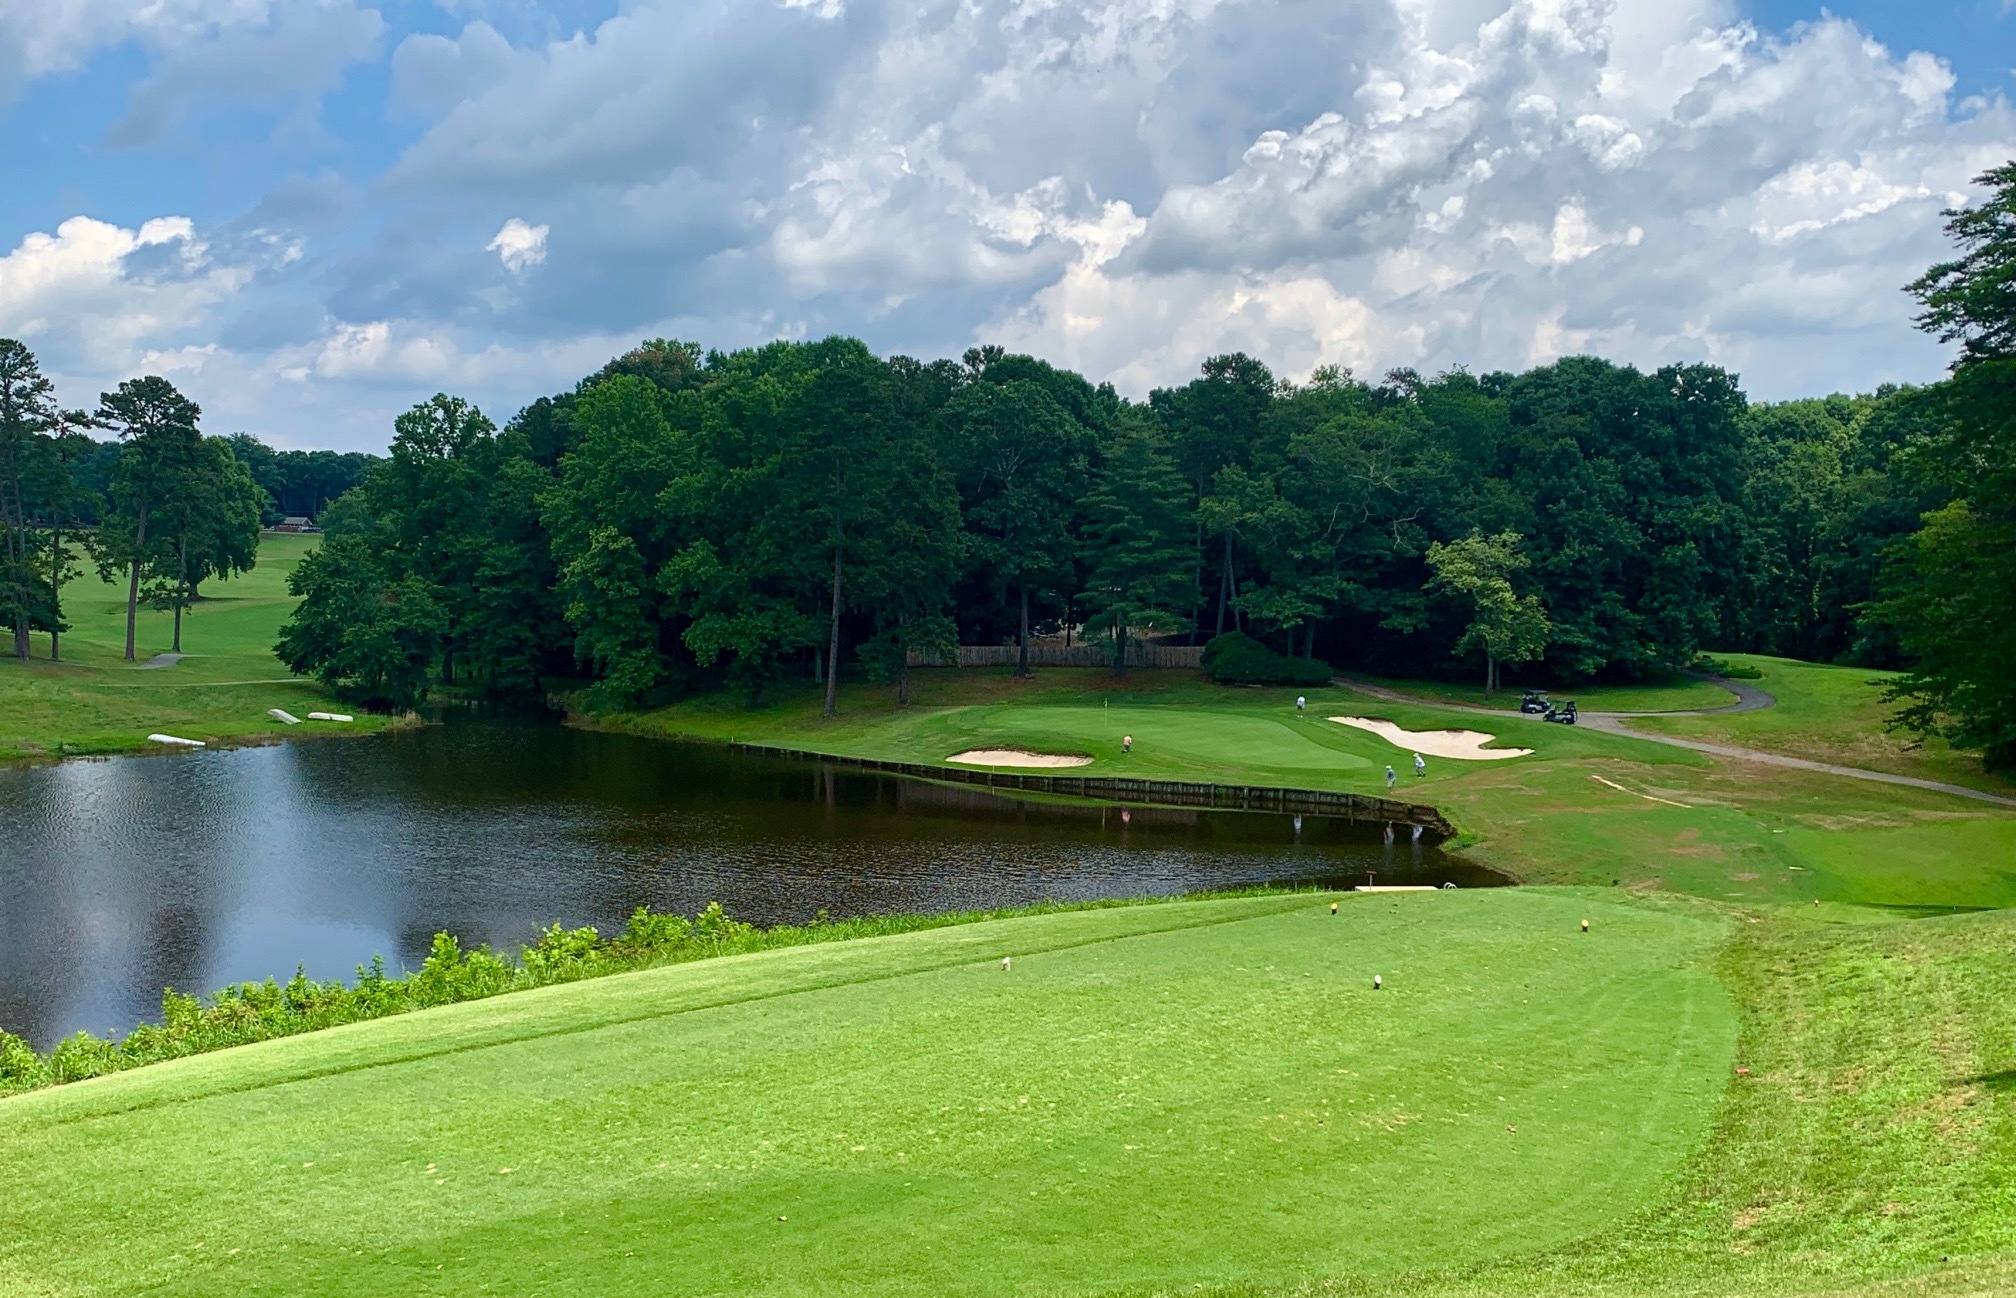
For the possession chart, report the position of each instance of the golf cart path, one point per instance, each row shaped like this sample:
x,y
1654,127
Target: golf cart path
x,y
1748,699
158,661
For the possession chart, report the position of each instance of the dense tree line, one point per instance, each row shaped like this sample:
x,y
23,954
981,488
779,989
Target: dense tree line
x,y
299,484
1952,592
684,518
681,519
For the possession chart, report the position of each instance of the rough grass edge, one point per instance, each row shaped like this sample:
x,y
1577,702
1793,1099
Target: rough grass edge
x,y
16,756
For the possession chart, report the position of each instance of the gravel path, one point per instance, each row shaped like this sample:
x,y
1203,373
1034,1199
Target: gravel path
x,y
1748,699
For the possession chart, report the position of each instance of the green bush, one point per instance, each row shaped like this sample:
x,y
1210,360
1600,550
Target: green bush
x,y
1311,671
650,931
81,1056
562,953
180,1013
1723,667
713,928
1236,658
20,1066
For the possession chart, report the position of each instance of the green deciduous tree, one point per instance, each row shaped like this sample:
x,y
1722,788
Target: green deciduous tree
x,y
363,632
615,524
1956,583
455,513
683,518
1953,586
1825,504
764,522
457,507
818,496
1952,595
1504,625
206,526
911,554
1624,487
1218,420
299,483
1022,460
432,496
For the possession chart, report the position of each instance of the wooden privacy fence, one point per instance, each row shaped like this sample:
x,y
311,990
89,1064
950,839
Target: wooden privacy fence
x,y
1057,655
1162,793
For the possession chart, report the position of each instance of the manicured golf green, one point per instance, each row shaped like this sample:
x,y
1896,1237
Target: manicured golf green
x,y
95,702
1183,727
1831,714
1204,1092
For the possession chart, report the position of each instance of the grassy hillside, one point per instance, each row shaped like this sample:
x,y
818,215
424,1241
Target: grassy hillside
x,y
1181,1098
1831,714
94,702
1193,1092
1586,807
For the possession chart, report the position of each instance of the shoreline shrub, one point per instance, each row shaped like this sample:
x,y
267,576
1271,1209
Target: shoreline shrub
x,y
562,953
649,930
20,1067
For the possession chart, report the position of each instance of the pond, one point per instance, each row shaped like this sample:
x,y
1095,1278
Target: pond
x,y
123,876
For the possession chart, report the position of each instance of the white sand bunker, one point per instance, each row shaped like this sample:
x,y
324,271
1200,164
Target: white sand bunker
x,y
1461,745
1017,757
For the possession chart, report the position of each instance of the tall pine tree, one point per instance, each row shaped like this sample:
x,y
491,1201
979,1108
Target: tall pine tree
x,y
157,425
1138,542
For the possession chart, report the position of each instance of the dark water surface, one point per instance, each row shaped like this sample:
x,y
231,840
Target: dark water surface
x,y
121,877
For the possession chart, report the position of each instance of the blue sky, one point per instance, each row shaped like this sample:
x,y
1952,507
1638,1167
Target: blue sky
x,y
312,213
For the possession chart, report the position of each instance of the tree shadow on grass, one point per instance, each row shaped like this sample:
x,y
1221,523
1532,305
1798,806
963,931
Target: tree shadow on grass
x,y
1921,910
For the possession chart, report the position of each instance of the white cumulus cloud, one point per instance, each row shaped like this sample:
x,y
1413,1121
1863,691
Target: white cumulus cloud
x,y
1128,185
94,296
1124,186
519,245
